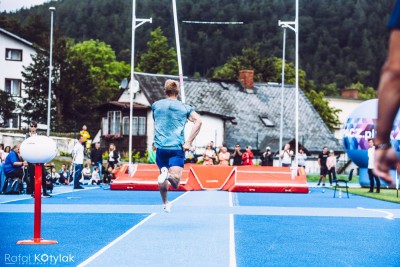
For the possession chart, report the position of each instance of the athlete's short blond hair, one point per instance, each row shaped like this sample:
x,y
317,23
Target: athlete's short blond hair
x,y
171,88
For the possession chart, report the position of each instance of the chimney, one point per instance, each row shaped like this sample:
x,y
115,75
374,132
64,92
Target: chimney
x,y
349,93
246,77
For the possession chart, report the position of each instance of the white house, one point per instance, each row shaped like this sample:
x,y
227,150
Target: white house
x,y
15,53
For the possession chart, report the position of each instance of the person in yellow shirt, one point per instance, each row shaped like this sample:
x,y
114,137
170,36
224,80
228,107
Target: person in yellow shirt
x,y
85,134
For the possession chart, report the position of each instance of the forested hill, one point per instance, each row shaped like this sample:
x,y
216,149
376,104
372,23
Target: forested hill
x,y
341,41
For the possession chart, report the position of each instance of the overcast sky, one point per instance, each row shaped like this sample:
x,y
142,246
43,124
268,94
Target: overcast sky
x,y
12,5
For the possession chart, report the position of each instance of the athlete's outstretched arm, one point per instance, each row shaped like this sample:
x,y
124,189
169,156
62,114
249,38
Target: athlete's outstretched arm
x,y
196,119
389,102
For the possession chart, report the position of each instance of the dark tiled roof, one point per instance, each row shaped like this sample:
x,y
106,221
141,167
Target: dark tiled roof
x,y
230,100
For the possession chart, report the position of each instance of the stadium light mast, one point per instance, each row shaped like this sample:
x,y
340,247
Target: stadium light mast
x,y
52,9
178,51
134,85
284,25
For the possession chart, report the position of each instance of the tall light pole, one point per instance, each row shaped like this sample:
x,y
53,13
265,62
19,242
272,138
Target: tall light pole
x,y
284,25
297,80
178,51
134,86
52,9
282,88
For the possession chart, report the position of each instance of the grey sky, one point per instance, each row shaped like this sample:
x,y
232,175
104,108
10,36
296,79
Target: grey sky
x,y
13,5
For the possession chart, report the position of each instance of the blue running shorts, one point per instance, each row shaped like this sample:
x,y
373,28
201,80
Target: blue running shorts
x,y
169,158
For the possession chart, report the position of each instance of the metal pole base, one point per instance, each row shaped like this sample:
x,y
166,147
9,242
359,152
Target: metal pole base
x,y
37,241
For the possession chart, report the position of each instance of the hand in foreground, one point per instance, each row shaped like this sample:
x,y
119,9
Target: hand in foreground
x,y
187,145
384,160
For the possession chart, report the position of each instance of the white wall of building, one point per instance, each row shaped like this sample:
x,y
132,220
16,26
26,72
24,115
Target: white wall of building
x,y
346,106
212,130
11,69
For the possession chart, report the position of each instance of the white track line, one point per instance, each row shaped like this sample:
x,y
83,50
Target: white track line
x,y
230,200
25,198
388,216
101,251
181,196
232,251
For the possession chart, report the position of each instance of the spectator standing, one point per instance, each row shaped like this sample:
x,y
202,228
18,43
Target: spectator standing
x,y
266,158
77,160
224,156
1,152
371,162
322,157
209,156
286,156
113,156
96,157
237,156
85,134
248,156
5,153
301,158
331,166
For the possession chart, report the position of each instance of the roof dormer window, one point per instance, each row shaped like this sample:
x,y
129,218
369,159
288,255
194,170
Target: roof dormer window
x,y
267,122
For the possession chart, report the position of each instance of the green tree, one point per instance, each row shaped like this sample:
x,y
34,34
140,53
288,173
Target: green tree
x,y
7,106
71,93
159,58
105,71
328,114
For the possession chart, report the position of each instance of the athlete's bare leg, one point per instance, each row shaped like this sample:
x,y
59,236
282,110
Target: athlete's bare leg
x,y
174,177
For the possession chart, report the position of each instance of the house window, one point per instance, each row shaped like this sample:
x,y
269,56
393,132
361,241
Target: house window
x,y
104,125
125,125
13,54
267,122
138,126
13,122
142,126
13,87
114,118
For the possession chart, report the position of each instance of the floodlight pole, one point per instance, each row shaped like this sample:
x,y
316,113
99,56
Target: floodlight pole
x,y
52,9
131,89
290,24
284,25
178,51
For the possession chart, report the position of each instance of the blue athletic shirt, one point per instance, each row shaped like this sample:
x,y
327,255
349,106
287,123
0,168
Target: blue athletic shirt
x,y
8,164
170,116
394,20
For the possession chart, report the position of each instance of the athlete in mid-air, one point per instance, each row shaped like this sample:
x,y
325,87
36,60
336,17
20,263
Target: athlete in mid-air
x,y
170,116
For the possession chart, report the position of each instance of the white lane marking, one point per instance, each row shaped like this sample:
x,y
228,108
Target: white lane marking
x,y
181,196
25,198
388,216
230,199
232,252
101,251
